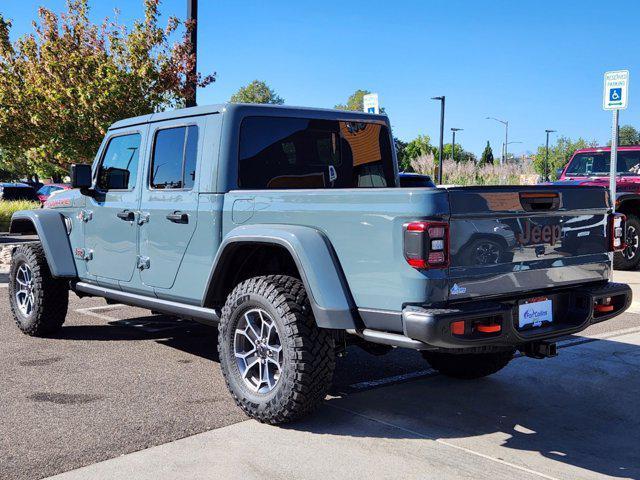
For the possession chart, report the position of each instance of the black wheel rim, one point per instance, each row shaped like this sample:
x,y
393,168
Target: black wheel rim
x,y
633,242
487,253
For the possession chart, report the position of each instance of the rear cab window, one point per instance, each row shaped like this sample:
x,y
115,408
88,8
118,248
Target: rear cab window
x,y
302,153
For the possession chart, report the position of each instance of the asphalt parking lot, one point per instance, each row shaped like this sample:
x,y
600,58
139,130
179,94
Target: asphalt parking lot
x,y
118,380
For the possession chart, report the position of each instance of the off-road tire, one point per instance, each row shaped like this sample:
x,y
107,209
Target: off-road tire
x,y
308,351
468,366
51,295
620,260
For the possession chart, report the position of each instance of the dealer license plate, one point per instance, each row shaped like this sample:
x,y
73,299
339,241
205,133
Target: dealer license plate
x,y
535,313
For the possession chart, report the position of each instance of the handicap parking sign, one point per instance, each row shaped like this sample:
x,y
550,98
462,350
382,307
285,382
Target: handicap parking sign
x,y
615,94
616,90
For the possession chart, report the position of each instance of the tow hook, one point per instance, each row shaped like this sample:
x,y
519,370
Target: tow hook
x,y
540,350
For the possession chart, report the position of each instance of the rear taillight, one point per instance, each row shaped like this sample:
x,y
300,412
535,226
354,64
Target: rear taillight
x,y
426,244
617,229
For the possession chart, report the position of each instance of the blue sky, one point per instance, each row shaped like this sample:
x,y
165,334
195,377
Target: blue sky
x,y
538,64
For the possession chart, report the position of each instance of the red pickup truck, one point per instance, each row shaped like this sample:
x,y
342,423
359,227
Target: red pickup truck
x,y
590,166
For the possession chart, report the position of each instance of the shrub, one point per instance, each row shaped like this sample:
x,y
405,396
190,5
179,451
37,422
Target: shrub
x,y
470,173
9,207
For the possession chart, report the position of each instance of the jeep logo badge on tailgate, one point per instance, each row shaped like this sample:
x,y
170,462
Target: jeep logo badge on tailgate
x,y
536,234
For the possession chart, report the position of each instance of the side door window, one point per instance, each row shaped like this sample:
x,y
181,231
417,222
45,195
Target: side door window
x,y
174,158
119,167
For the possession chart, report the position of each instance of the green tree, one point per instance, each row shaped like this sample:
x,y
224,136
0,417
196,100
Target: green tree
x,y
628,135
559,154
257,92
461,154
419,146
64,84
354,102
487,155
404,163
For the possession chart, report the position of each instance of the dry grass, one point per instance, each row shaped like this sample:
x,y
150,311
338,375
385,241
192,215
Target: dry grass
x,y
469,173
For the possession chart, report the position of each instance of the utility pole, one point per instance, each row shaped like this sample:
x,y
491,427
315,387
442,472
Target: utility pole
x,y
506,138
546,157
441,99
453,142
192,75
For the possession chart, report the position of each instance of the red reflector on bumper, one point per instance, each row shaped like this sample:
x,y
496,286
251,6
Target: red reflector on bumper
x,y
457,328
493,328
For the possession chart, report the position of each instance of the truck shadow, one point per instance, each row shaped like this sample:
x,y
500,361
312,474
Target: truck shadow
x,y
185,335
580,409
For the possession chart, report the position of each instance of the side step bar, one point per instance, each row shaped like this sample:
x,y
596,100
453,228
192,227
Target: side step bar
x,y
207,316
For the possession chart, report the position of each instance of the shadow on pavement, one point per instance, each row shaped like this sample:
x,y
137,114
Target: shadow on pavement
x,y
581,408
185,335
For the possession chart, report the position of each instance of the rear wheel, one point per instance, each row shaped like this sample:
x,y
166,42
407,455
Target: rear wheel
x,y
277,363
629,258
38,301
468,365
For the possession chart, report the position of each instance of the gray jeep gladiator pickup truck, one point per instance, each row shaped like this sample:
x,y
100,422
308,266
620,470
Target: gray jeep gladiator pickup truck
x,y
288,228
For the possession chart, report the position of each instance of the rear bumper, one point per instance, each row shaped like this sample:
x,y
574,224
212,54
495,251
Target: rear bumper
x,y
573,311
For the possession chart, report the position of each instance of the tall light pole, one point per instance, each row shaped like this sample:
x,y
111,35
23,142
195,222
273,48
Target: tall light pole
x,y
506,137
546,157
192,74
441,99
453,142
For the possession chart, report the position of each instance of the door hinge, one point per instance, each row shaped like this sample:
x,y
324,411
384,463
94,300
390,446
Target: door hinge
x,y
84,254
143,217
85,215
143,262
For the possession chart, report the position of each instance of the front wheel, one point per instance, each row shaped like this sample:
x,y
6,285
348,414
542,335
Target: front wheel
x,y
38,301
629,258
277,363
468,365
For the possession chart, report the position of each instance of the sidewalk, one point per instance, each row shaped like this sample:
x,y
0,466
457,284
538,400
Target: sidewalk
x,y
574,416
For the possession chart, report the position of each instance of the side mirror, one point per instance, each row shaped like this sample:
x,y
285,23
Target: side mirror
x,y
80,176
559,172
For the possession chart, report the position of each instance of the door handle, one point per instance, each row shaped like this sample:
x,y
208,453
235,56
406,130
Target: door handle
x,y
126,215
178,217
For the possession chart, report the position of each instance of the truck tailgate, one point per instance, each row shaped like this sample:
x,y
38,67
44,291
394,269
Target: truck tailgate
x,y
510,239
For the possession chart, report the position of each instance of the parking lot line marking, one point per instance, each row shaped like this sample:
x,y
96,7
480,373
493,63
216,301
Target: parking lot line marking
x,y
449,444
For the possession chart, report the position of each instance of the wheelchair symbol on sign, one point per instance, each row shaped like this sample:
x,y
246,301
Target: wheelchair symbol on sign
x,y
615,94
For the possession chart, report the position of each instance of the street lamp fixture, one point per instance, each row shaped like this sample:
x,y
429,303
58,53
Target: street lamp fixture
x,y
441,99
546,156
506,136
453,142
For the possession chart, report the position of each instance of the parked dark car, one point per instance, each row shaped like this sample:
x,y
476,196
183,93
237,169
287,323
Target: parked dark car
x,y
17,191
415,180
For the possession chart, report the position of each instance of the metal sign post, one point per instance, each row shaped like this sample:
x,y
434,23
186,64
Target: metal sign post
x,y
615,97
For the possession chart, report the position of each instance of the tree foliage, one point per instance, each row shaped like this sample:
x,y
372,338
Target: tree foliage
x,y
64,84
419,146
487,155
461,154
628,135
257,92
355,101
559,154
